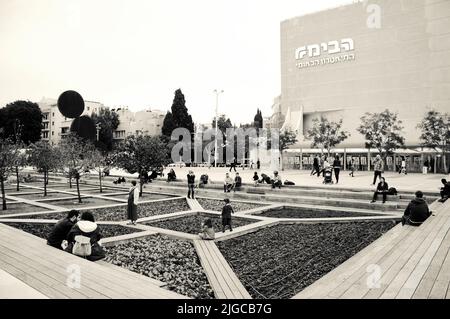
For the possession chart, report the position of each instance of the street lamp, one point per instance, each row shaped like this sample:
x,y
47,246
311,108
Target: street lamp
x,y
98,127
217,93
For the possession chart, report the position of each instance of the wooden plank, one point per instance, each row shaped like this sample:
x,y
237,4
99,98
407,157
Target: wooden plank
x,y
238,286
105,276
210,274
441,285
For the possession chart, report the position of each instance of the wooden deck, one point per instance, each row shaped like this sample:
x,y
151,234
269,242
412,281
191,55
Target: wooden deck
x,y
406,263
221,277
47,270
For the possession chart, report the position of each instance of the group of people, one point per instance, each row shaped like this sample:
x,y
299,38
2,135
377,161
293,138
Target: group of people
x,y
78,234
207,228
323,166
275,181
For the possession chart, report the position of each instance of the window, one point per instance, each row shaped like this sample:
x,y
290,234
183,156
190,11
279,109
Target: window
x,y
53,114
53,123
88,108
53,133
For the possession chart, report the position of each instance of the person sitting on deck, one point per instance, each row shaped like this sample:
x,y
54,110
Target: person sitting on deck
x,y
445,191
237,182
203,180
171,176
208,232
276,182
417,211
61,229
83,239
256,179
382,189
266,179
228,184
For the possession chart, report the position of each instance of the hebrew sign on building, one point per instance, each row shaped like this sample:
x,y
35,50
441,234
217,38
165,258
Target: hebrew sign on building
x,y
331,52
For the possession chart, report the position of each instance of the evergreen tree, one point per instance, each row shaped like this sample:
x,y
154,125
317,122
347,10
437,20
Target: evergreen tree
x,y
181,117
168,125
258,120
109,122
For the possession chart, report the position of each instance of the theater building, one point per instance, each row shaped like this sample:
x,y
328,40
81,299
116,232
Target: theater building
x,y
365,57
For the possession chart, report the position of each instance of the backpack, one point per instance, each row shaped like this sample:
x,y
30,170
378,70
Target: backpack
x,y
82,246
289,183
392,191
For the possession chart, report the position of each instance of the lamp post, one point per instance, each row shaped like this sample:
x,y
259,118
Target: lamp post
x,y
98,127
217,93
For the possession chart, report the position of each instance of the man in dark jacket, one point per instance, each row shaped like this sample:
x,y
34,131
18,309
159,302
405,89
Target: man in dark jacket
x,y
61,229
227,210
445,191
382,189
417,211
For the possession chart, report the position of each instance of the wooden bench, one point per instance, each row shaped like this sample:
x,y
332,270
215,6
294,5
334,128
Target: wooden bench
x,y
47,270
221,277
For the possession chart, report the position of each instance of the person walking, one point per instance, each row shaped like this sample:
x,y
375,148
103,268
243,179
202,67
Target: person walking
x,y
352,168
378,166
227,210
133,198
316,167
403,167
233,164
191,184
337,168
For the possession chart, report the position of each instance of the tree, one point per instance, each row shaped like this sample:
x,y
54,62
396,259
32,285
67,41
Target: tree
x,y
45,158
258,120
181,117
168,125
26,114
76,157
139,154
109,122
8,159
326,134
382,131
99,163
287,138
224,123
435,129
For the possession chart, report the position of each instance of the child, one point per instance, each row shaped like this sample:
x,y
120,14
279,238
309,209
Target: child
x,y
207,230
227,210
256,179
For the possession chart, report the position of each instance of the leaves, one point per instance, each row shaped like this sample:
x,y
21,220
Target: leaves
x,y
326,134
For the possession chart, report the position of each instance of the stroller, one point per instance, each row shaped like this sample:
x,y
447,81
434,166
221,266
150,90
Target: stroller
x,y
328,175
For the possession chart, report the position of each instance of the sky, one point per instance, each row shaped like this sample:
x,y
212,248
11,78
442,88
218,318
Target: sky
x,y
136,53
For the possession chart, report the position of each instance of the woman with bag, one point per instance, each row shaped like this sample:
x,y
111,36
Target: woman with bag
x,y
133,198
83,239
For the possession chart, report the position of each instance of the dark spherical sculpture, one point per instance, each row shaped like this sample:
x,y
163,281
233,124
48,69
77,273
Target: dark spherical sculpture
x,y
71,104
84,127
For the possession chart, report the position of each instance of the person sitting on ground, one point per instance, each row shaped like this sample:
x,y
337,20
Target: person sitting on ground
x,y
208,232
237,182
61,229
265,179
256,179
445,191
417,211
83,239
153,175
171,176
276,181
228,183
227,210
382,189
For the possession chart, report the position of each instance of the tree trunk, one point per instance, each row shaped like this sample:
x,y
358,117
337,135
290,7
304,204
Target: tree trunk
x,y
70,181
100,179
17,177
3,191
78,189
45,183
140,187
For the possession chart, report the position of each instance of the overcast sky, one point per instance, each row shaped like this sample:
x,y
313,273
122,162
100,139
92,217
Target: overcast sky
x,y
138,52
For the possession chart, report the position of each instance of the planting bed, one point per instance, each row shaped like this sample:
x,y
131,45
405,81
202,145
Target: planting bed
x,y
280,261
86,202
216,205
40,195
171,261
42,230
20,208
119,213
296,212
192,224
144,197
